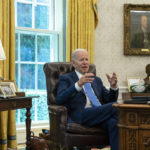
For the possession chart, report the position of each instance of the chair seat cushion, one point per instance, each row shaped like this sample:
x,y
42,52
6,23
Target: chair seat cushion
x,y
80,129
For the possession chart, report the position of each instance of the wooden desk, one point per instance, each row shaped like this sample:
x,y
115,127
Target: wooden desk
x,y
18,103
134,126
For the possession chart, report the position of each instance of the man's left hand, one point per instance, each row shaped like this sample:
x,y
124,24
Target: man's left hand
x,y
112,80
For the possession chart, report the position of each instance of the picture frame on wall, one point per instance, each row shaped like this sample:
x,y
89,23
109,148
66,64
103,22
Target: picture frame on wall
x,y
136,29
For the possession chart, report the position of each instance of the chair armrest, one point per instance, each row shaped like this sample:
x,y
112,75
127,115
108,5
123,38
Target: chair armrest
x,y
58,121
60,112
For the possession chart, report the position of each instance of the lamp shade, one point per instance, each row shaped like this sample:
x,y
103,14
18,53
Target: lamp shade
x,y
2,53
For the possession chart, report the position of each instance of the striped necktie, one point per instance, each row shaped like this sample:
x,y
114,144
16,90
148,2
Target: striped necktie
x,y
91,95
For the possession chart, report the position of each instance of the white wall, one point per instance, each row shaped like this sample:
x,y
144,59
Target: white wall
x,y
109,43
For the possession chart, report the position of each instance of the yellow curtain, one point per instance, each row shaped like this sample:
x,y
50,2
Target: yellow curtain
x,y
7,70
82,19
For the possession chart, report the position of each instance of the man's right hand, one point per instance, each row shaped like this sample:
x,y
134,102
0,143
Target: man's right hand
x,y
87,77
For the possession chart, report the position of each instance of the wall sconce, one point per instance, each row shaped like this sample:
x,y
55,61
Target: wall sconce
x,y
2,55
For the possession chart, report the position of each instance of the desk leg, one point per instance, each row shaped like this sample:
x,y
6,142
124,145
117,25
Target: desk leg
x,y
28,128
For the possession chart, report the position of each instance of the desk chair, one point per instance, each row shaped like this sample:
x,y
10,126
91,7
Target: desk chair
x,y
63,135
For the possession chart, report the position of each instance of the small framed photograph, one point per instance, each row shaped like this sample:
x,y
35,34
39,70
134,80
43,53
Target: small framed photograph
x,y
1,92
12,84
6,90
136,29
132,81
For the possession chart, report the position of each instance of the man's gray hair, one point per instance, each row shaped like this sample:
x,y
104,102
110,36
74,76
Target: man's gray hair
x,y
77,50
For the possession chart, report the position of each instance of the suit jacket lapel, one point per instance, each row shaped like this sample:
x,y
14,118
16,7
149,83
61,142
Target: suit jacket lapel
x,y
74,77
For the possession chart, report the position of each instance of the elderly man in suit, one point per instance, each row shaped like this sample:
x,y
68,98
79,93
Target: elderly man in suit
x,y
73,92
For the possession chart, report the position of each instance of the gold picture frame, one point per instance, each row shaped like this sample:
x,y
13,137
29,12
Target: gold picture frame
x,y
136,41
132,80
6,90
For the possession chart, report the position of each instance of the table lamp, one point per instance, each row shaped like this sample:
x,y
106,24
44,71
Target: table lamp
x,y
2,55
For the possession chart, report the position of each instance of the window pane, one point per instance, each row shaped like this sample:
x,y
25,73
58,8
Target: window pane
x,y
27,47
43,45
34,48
17,113
41,78
54,46
41,17
27,76
42,108
24,12
22,115
33,109
43,1
16,46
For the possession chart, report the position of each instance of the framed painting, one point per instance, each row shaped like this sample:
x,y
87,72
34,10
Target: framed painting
x,y
136,29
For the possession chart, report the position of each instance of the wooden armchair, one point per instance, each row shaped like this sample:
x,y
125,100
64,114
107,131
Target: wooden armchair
x,y
63,135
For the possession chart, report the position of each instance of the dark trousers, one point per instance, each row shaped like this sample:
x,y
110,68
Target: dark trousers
x,y
106,117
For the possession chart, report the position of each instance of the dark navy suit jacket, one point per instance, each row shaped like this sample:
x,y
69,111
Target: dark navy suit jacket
x,y
75,101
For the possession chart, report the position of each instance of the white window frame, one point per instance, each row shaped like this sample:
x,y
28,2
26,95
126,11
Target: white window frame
x,y
55,28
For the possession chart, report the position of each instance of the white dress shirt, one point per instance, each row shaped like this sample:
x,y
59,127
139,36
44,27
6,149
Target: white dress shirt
x,y
88,102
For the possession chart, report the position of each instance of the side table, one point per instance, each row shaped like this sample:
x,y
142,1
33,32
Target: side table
x,y
19,103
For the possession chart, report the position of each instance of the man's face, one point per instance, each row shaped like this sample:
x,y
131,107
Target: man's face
x,y
144,21
81,62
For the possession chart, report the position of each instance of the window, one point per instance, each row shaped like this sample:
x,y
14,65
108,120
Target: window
x,y
40,31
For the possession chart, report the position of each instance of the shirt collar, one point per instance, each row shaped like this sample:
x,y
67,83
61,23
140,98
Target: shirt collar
x,y
78,74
